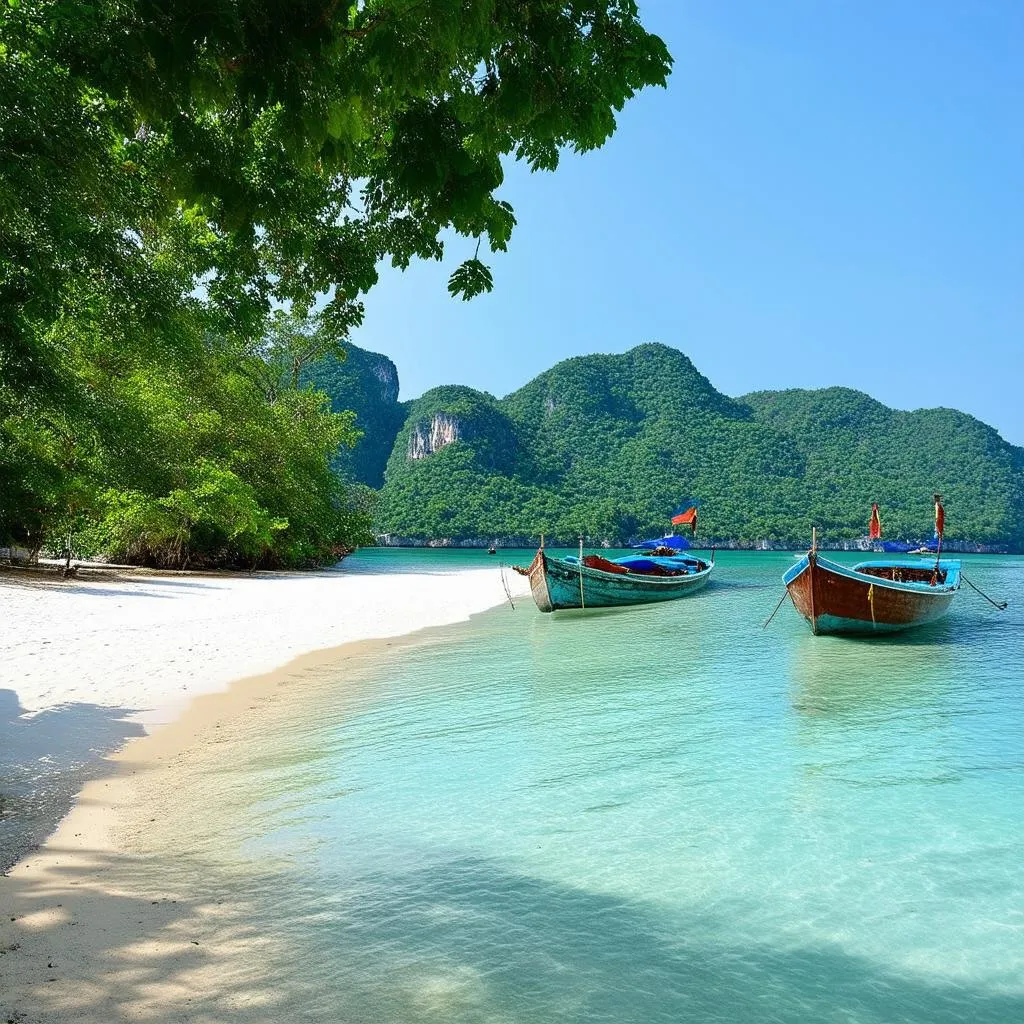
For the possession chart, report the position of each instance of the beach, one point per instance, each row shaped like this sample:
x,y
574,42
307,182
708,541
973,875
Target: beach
x,y
148,644
661,814
90,927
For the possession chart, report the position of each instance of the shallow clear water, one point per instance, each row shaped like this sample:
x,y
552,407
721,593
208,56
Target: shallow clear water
x,y
660,814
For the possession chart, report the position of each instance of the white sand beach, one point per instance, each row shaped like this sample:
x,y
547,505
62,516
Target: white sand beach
x,y
107,922
149,644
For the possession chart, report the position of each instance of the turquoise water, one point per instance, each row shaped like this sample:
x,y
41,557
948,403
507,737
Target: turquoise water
x,y
662,814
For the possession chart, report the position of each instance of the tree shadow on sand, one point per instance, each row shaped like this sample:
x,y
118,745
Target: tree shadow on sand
x,y
99,583
466,940
45,759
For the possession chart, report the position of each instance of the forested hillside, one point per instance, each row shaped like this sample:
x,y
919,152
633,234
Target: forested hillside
x,y
608,445
365,383
854,446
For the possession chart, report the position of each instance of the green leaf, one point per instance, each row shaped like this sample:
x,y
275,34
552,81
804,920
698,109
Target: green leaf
x,y
470,279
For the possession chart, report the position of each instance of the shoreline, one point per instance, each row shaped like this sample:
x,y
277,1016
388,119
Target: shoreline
x,y
745,547
148,644
114,894
90,664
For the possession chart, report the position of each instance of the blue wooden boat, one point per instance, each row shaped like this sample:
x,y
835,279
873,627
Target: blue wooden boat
x,y
871,597
594,582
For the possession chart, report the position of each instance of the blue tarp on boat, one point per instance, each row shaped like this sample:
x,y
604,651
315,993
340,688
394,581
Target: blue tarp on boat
x,y
899,546
637,563
673,541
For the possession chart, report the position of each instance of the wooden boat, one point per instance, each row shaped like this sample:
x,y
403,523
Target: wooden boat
x,y
878,596
594,582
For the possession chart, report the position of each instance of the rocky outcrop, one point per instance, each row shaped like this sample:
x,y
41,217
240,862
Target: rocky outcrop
x,y
429,436
463,423
387,374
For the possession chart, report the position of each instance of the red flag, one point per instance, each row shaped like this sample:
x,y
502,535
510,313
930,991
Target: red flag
x,y
875,529
940,516
687,518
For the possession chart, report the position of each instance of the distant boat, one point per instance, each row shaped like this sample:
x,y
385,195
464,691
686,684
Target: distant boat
x,y
878,596
596,582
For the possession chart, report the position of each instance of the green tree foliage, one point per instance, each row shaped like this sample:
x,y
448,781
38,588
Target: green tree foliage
x,y
607,446
188,455
170,173
857,449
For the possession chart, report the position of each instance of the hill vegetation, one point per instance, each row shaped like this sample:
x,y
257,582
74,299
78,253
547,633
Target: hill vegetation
x,y
170,174
365,384
608,445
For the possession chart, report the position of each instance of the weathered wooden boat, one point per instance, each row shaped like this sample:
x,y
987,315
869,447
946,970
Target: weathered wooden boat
x,y
871,597
590,581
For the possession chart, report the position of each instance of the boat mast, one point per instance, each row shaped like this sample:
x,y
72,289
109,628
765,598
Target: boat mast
x,y
583,603
940,518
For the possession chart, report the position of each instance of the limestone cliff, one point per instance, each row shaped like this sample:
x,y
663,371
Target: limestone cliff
x,y
427,437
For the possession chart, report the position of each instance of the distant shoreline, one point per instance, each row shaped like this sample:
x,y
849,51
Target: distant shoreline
x,y
702,544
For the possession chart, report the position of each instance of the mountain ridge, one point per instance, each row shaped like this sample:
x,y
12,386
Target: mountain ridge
x,y
606,445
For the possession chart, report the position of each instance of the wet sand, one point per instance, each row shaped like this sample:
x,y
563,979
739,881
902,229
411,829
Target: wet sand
x,y
128,912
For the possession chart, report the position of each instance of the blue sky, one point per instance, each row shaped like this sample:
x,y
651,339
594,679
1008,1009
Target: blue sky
x,y
828,192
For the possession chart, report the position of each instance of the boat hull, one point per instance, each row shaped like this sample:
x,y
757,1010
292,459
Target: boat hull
x,y
834,598
557,585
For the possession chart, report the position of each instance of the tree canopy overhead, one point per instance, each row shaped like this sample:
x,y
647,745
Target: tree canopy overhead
x,y
171,170
291,146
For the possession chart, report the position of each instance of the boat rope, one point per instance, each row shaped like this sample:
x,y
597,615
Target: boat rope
x,y
777,607
504,583
1001,605
871,599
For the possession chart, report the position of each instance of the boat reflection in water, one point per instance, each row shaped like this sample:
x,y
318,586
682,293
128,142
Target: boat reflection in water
x,y
848,682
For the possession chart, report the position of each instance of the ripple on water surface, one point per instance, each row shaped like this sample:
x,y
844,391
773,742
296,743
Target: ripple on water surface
x,y
657,815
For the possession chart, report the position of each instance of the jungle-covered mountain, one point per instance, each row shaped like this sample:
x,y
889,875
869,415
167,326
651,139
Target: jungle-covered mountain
x,y
365,383
608,445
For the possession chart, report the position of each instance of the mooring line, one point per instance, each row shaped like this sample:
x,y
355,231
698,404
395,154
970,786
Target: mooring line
x,y
1001,605
504,583
777,607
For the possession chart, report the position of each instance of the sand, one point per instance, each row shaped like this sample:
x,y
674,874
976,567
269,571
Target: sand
x,y
148,645
123,915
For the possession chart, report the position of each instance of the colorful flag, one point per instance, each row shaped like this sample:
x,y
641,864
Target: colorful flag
x,y
940,517
687,518
875,529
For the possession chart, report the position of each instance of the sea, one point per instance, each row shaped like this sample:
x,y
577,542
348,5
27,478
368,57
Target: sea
x,y
662,814
669,813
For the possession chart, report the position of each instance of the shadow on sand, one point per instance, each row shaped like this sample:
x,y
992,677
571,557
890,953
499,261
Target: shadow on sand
x,y
465,940
45,759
